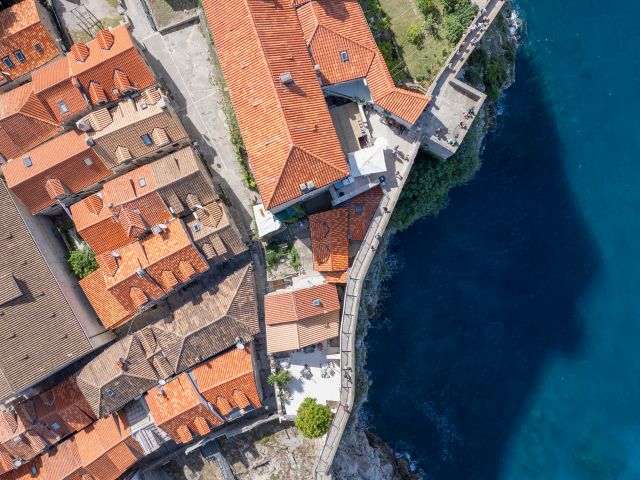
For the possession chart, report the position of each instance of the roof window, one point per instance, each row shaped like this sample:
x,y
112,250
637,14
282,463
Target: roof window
x,y
20,56
27,161
88,162
358,208
38,48
8,62
55,426
146,138
63,107
142,182
344,56
111,393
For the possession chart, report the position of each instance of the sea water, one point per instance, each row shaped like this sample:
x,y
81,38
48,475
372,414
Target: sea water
x,y
509,346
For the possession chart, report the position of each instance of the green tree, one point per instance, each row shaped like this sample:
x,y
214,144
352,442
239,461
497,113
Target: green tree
x,y
312,419
82,261
449,6
453,29
426,6
280,379
415,35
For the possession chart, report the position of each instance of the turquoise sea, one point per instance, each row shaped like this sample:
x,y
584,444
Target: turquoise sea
x,y
509,345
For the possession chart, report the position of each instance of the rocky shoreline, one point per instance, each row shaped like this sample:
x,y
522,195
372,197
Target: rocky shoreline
x,y
363,455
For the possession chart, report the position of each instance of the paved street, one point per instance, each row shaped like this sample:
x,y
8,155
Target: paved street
x,y
182,61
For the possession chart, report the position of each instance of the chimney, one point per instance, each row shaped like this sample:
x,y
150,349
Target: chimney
x,y
286,78
83,125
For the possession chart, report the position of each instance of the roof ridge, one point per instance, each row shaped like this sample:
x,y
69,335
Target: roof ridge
x,y
266,63
235,293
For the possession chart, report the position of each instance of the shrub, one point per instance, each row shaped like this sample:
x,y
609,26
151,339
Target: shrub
x,y
427,7
415,35
82,261
294,259
453,29
273,255
494,77
280,379
450,6
312,419
430,25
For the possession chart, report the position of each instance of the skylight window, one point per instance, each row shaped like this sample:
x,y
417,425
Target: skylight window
x,y
88,162
55,426
111,393
344,56
142,182
147,140
63,107
20,56
27,161
358,208
8,62
38,48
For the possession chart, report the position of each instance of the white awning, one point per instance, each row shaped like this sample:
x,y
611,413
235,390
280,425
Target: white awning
x,y
369,160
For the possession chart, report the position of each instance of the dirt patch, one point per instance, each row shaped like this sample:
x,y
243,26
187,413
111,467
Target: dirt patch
x,y
167,13
192,467
270,452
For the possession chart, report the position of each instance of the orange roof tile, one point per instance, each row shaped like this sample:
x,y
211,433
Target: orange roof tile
x,y
106,448
141,264
111,313
335,26
336,277
286,127
361,210
329,240
62,462
94,66
175,408
227,381
21,111
21,29
284,306
66,160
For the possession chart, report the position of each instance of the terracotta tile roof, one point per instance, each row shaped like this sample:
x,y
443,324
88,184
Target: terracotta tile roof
x,y
141,264
118,131
66,160
21,29
335,26
212,231
29,471
94,67
336,277
157,190
106,448
62,462
43,421
21,111
286,128
293,320
227,381
31,351
329,240
116,376
180,411
216,313
361,210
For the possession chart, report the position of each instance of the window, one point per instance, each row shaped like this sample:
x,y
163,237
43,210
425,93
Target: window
x,y
147,140
27,161
344,56
88,162
20,56
55,426
7,62
111,393
63,107
142,182
38,48
358,208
